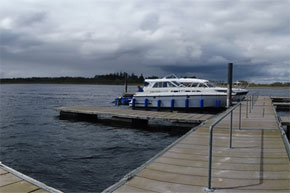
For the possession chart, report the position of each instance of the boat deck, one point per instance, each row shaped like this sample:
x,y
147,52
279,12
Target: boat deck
x,y
258,161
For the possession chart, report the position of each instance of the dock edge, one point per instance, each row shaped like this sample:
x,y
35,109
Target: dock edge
x,y
29,179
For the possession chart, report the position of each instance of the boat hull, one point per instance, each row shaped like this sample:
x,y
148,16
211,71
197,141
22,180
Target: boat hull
x,y
185,101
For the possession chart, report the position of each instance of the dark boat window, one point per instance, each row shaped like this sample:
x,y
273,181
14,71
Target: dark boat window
x,y
202,85
171,85
210,85
157,85
194,84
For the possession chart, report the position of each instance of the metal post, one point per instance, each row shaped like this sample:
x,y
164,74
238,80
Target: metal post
x,y
247,107
209,188
240,116
231,128
250,103
263,109
230,80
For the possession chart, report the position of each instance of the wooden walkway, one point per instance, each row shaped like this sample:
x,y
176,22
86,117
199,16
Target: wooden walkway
x,y
13,181
285,121
137,114
258,161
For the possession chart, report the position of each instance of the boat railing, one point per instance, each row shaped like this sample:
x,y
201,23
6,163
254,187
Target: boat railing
x,y
251,99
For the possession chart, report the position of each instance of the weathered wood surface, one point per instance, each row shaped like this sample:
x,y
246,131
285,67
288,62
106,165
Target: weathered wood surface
x,y
13,181
138,114
281,104
285,120
258,161
279,98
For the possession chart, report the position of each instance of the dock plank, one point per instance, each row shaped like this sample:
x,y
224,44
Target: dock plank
x,y
21,186
3,171
8,179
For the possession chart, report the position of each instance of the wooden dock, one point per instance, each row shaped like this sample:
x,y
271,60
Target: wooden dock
x,y
258,161
280,99
282,105
285,121
137,116
14,181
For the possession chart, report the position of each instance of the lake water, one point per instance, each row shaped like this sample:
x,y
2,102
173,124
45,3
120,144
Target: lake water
x,y
69,155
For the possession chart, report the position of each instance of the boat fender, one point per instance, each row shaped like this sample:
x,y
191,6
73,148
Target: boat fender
x,y
159,104
201,103
172,103
217,103
116,101
186,103
133,102
146,103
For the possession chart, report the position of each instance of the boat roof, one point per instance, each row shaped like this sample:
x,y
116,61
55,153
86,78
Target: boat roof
x,y
181,80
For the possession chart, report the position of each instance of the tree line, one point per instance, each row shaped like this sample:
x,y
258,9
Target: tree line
x,y
112,78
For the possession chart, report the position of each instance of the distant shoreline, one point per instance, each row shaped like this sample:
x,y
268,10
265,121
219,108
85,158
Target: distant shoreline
x,y
129,84
268,86
122,83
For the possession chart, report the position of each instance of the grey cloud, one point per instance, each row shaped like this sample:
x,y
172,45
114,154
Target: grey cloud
x,y
150,22
21,40
219,71
31,18
149,37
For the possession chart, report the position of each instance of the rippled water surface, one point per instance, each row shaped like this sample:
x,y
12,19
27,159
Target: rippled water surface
x,y
70,156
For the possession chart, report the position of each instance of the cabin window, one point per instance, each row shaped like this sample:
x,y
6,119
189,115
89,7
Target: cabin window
x,y
157,85
177,84
210,85
146,83
171,85
194,84
163,85
202,85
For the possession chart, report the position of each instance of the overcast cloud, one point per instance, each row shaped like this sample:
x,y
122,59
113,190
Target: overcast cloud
x,y
153,37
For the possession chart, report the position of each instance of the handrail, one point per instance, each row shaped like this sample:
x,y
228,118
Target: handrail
x,y
252,99
229,111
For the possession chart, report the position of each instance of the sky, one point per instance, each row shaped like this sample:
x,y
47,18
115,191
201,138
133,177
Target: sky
x,y
40,38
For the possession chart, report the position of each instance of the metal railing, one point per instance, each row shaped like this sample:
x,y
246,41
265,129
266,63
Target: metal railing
x,y
250,99
229,111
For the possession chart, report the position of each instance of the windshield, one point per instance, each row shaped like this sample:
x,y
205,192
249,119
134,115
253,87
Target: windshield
x,y
177,84
210,85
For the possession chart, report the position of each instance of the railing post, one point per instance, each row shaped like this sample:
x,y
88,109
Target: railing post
x,y
231,128
240,116
247,107
263,109
209,188
250,103
253,101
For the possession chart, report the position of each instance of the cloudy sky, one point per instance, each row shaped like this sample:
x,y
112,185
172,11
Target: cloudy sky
x,y
153,37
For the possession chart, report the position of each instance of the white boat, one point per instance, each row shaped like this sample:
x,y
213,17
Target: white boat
x,y
173,92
